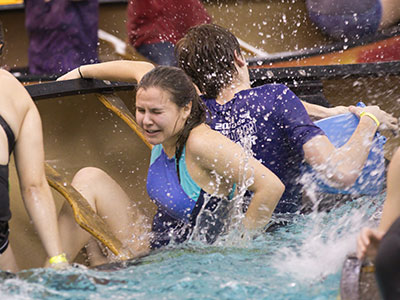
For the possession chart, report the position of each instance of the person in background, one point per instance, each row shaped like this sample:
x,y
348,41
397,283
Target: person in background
x,y
343,19
154,26
21,133
382,244
193,175
270,119
62,34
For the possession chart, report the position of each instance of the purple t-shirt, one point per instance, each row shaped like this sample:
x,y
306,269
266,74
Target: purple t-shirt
x,y
62,34
272,122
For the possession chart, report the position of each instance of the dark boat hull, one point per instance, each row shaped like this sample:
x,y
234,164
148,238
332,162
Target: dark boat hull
x,y
381,47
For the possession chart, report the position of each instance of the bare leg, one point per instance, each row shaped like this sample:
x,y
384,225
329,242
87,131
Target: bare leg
x,y
7,261
109,200
96,255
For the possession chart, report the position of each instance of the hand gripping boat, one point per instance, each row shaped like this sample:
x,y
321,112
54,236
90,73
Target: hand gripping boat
x,y
339,129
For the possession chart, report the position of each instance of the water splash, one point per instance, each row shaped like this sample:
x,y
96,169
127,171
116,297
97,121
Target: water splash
x,y
325,240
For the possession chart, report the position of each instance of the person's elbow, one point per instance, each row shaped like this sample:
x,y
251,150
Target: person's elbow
x,y
279,187
267,193
344,178
274,188
34,189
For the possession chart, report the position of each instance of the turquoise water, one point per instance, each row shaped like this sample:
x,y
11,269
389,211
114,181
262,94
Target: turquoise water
x,y
299,261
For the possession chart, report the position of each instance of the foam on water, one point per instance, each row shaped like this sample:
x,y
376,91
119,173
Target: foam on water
x,y
325,239
299,261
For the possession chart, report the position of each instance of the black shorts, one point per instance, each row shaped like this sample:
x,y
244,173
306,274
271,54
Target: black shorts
x,y
4,232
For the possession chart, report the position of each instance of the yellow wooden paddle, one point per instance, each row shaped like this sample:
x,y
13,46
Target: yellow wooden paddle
x,y
115,104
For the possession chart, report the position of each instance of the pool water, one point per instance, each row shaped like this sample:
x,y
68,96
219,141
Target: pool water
x,y
299,261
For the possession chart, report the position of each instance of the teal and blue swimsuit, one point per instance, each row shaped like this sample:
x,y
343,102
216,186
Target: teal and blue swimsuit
x,y
179,200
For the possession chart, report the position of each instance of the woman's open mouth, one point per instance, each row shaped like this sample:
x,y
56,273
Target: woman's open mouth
x,y
151,133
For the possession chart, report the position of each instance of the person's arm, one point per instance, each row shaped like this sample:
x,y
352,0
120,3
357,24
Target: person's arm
x,y
35,191
391,208
119,70
342,166
317,112
229,160
369,239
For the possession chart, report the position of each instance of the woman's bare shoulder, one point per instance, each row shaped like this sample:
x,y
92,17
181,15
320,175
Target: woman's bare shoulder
x,y
203,140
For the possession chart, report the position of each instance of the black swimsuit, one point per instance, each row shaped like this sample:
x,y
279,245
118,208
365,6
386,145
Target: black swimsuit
x,y
5,213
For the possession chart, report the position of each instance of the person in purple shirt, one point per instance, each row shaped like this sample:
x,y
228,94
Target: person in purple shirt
x,y
275,138
343,19
62,34
270,119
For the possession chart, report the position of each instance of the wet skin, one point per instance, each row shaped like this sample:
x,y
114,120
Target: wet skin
x,y
159,117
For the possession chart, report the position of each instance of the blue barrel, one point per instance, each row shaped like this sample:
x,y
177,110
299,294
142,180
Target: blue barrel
x,y
339,129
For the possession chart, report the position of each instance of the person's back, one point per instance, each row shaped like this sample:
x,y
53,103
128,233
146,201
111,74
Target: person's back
x,y
273,137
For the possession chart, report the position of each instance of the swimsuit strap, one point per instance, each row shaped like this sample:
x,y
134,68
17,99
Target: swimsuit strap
x,y
9,133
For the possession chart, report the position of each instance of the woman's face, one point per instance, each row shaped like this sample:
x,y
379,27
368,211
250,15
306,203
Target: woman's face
x,y
159,117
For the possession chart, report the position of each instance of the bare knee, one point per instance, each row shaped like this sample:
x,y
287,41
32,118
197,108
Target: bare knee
x,y
88,176
87,181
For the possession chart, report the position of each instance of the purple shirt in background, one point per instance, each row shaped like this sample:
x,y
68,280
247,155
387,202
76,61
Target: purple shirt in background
x,y
62,34
272,122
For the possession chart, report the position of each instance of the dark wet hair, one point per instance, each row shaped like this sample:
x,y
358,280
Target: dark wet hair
x,y
182,91
207,54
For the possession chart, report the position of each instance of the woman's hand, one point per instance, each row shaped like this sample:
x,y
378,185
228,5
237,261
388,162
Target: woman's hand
x,y
387,121
74,74
368,242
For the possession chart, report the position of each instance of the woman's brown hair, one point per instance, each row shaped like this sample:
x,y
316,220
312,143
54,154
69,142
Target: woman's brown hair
x,y
207,55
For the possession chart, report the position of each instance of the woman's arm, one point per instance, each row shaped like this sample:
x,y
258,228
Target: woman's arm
x,y
35,191
267,189
317,112
119,70
369,239
216,153
342,166
391,208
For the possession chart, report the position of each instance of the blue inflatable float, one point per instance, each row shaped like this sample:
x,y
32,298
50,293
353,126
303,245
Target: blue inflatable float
x,y
339,129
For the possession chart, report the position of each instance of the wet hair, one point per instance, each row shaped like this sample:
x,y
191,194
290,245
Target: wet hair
x,y
182,91
207,54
